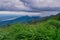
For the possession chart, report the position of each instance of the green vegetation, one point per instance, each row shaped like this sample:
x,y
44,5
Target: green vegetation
x,y
45,30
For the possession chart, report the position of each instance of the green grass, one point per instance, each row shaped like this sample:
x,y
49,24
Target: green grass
x,y
47,30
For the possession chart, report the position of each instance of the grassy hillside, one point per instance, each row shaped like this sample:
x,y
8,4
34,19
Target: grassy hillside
x,y
45,30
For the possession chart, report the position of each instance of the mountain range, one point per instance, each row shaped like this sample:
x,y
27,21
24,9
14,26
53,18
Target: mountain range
x,y
21,19
26,19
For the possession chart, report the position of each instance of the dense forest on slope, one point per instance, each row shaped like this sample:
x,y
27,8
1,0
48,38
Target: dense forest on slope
x,y
47,29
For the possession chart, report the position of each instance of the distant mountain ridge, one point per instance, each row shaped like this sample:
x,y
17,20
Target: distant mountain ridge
x,y
22,19
27,19
5,17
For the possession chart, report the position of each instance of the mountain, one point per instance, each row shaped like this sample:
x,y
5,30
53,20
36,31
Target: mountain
x,y
28,19
52,17
22,19
5,16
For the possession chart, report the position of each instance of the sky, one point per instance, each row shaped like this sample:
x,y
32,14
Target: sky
x,y
28,7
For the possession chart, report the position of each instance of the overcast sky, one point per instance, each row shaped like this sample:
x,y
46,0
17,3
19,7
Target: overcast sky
x,y
27,7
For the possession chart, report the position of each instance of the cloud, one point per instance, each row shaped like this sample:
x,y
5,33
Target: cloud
x,y
41,3
19,13
41,14
12,5
28,5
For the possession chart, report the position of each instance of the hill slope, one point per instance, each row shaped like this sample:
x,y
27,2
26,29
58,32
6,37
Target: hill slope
x,y
49,29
